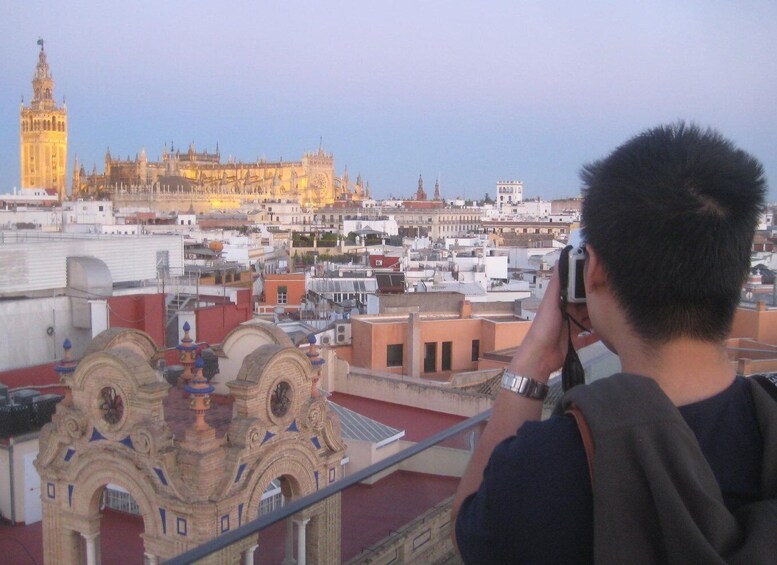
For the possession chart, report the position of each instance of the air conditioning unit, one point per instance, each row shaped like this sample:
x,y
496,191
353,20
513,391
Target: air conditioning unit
x,y
340,338
325,340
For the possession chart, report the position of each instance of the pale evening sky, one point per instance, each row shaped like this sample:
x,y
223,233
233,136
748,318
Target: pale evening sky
x,y
470,91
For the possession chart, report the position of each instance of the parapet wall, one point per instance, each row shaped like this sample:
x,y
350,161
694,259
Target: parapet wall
x,y
410,391
427,539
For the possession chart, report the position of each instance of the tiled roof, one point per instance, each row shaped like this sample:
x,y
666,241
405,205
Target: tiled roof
x,y
358,427
320,285
180,417
417,423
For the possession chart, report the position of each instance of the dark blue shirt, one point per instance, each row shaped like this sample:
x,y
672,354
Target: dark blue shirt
x,y
535,502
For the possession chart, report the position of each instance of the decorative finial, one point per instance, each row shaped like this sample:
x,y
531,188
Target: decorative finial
x,y
188,352
40,42
64,369
200,390
317,362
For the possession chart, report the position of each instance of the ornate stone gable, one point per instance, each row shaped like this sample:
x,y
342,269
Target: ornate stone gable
x,y
196,485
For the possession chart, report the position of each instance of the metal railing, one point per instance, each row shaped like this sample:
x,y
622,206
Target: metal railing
x,y
295,506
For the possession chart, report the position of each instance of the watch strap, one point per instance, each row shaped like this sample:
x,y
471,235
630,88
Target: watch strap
x,y
524,386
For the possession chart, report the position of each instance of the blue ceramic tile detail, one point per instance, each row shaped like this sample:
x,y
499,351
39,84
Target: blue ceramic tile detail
x,y
96,435
70,494
315,442
240,470
69,454
240,514
316,475
267,436
161,474
128,442
181,525
293,427
163,515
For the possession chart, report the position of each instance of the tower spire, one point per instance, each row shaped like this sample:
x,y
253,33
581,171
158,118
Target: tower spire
x,y
43,129
42,83
420,194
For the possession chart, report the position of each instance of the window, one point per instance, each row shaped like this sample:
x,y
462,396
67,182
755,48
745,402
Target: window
x,y
282,291
475,349
447,349
394,355
120,500
430,357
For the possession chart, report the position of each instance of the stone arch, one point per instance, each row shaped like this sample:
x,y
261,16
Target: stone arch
x,y
291,461
138,341
259,362
132,369
259,373
103,469
238,343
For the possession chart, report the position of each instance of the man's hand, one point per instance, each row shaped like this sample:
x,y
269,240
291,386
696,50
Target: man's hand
x,y
545,346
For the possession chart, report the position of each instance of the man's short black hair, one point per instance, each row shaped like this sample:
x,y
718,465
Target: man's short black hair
x,y
672,213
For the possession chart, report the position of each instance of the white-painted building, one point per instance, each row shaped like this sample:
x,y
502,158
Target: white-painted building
x,y
186,220
97,212
383,224
509,193
56,285
120,229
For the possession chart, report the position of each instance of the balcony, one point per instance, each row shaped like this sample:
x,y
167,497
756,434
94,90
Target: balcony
x,y
396,510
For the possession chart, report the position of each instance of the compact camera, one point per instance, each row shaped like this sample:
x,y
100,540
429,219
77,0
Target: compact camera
x,y
571,264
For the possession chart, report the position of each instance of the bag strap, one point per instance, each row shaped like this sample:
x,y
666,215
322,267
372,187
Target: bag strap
x,y
585,435
768,383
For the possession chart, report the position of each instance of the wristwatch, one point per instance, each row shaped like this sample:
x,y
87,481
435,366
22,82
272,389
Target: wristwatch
x,y
524,386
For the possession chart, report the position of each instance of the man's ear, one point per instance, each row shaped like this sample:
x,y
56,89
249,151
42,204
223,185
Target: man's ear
x,y
595,274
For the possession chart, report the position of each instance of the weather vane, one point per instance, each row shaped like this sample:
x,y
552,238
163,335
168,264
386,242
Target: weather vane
x,y
40,42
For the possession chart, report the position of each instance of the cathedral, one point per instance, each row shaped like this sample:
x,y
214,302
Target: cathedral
x,y
179,179
202,181
43,134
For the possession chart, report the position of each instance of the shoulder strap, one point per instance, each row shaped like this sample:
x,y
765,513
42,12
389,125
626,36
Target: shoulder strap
x,y
768,382
585,434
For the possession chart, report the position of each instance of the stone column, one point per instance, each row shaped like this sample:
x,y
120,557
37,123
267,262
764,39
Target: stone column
x,y
301,540
248,556
91,547
149,559
414,347
289,559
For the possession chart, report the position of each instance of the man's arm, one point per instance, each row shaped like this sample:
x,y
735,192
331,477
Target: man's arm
x,y
542,352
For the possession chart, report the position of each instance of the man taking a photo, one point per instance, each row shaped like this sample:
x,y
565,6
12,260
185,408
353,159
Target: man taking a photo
x,y
675,459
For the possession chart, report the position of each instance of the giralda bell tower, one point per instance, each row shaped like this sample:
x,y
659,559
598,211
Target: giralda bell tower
x,y
43,134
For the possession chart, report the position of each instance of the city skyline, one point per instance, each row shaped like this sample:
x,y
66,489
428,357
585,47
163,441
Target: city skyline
x,y
471,94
